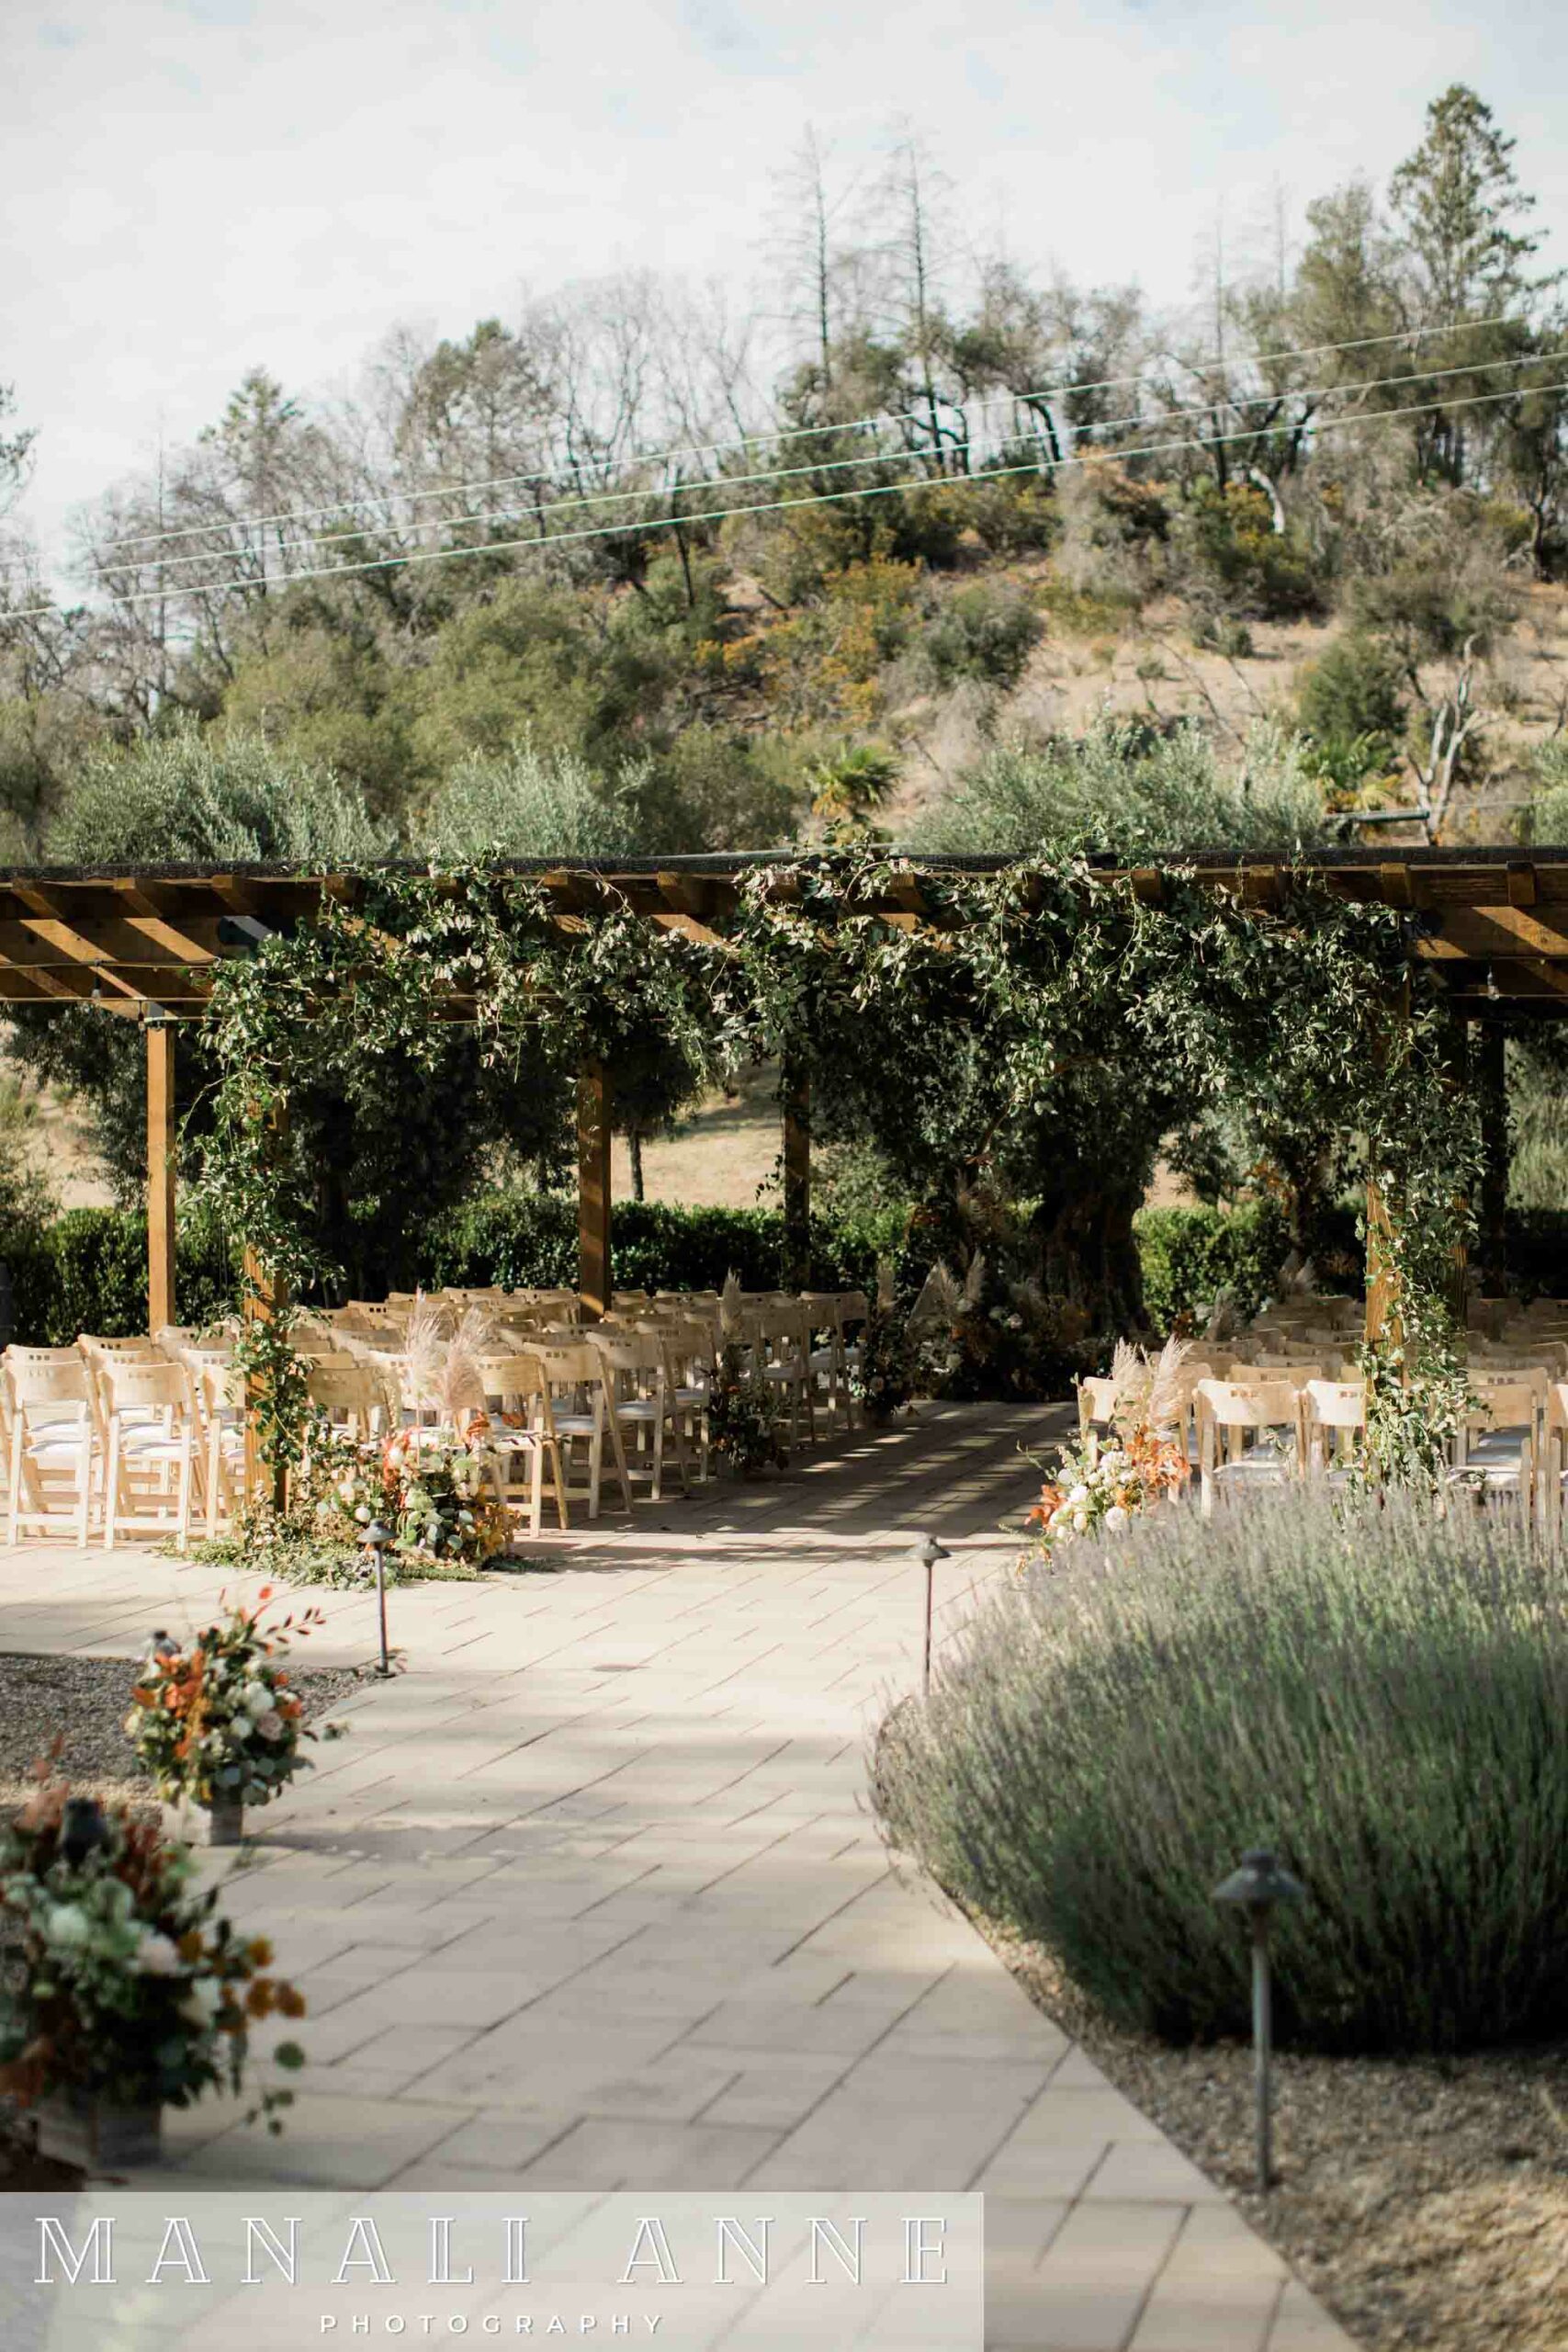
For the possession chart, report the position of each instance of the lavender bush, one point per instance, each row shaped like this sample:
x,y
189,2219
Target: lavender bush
x,y
1380,1693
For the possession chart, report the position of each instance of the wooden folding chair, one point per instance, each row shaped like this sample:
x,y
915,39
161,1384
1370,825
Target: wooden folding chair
x,y
641,1397
513,1394
1497,1443
54,1416
1248,1434
1333,1413
150,1433
574,1411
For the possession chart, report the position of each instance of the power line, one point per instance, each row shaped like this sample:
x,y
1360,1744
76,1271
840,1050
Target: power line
x,y
577,502
789,433
774,506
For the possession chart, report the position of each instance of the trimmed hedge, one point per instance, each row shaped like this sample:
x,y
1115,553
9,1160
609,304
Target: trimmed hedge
x,y
523,1239
1187,1253
87,1271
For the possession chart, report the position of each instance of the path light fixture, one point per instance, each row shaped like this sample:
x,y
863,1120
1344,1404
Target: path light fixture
x,y
1261,1881
926,1555
376,1539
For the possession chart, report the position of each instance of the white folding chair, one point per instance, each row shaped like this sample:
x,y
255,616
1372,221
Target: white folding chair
x,y
53,1420
150,1433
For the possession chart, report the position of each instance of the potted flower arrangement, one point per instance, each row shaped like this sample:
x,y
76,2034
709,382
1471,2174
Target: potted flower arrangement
x,y
218,1724
882,1379
743,1431
135,1994
1099,1487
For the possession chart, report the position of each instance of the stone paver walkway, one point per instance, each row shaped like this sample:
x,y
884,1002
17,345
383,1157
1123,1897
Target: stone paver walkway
x,y
591,1897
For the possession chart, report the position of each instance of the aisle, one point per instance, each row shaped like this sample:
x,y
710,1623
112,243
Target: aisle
x,y
591,1897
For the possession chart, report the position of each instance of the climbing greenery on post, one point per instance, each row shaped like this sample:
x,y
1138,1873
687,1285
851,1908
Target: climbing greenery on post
x,y
987,1029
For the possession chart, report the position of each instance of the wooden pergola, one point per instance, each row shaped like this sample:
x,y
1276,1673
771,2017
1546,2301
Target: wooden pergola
x,y
140,944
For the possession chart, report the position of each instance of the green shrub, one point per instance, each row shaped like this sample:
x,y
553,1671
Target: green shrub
x,y
87,1272
985,632
527,1240
1231,560
1379,1694
1186,1254
1357,687
1131,788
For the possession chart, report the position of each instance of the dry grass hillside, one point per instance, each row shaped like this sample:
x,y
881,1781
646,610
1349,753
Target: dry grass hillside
x,y
1149,666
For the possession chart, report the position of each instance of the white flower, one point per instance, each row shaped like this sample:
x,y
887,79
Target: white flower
x,y
156,1956
1080,1521
68,1926
258,1699
1116,1519
270,1726
201,2004
362,1513
1078,1496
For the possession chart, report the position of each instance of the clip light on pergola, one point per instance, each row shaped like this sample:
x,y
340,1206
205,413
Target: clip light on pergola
x,y
139,944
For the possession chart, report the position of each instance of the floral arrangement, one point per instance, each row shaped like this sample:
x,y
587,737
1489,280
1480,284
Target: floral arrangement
x,y
431,1488
134,1988
883,1380
437,1498
742,1427
993,1336
1098,1488
218,1722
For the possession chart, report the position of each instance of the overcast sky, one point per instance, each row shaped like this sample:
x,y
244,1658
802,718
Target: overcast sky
x,y
197,187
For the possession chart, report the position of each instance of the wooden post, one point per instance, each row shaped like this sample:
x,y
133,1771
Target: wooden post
x,y
1491,1070
160,1175
1382,1285
593,1279
1383,1282
796,1179
1456,1068
265,1301
267,1298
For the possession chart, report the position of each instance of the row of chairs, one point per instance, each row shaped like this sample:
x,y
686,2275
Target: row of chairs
x,y
132,1435
622,1398
145,1436
1267,1424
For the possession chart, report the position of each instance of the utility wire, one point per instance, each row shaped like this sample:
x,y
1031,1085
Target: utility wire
x,y
789,433
576,502
770,506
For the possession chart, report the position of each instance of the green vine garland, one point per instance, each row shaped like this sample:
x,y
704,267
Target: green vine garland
x,y
1312,1008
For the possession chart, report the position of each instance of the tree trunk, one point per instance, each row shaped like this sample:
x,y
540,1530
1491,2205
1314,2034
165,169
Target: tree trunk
x,y
1089,1256
634,1147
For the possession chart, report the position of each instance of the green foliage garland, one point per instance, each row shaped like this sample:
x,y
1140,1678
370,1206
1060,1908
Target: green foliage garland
x,y
947,1036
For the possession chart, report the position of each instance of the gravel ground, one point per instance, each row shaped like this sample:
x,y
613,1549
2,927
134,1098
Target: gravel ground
x,y
87,1699
1425,2200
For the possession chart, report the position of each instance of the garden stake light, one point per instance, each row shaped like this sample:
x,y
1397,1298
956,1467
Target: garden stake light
x,y
1260,1882
376,1539
927,1553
